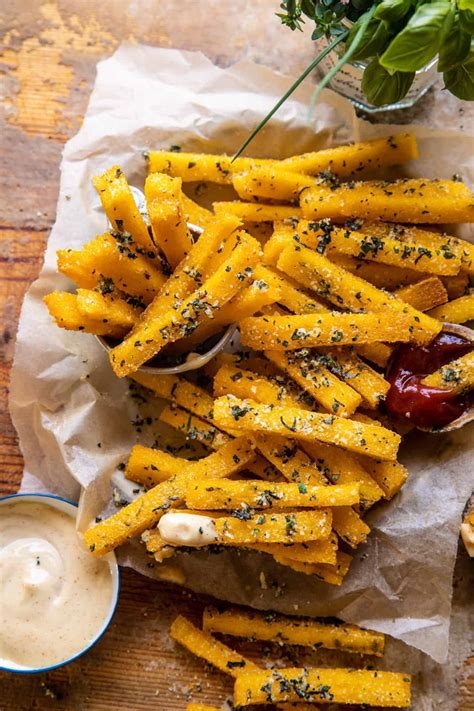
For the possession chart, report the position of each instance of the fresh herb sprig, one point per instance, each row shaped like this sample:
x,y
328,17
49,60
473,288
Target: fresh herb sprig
x,y
395,37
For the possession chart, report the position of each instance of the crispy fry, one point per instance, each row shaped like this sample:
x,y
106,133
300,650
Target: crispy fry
x,y
200,707
157,546
311,553
203,645
269,527
246,302
424,295
64,309
442,244
349,526
252,212
229,495
378,353
373,440
108,308
243,383
270,182
291,297
283,235
195,267
457,311
299,302
284,333
194,213
179,390
327,238
197,401
312,374
152,466
110,260
456,376
271,627
341,467
200,166
289,459
147,509
390,476
348,291
346,364
332,574
193,427
353,158
167,216
410,200
456,286
119,206
345,686
324,463
383,276
151,335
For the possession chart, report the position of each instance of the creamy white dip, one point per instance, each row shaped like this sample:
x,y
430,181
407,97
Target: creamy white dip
x,y
184,529
54,596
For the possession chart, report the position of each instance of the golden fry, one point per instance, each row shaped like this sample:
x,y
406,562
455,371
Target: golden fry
x,y
373,440
414,200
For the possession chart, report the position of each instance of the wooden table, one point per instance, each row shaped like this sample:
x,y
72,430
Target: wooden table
x,y
50,50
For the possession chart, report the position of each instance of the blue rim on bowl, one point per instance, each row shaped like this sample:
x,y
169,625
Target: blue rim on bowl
x,y
114,569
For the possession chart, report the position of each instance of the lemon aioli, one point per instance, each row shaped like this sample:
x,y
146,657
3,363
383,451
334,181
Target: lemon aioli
x,y
185,529
54,596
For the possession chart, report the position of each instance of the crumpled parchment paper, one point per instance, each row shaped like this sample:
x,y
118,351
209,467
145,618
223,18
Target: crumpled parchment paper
x,y
74,418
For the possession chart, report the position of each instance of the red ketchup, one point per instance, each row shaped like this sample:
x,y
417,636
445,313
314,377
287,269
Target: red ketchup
x,y
425,407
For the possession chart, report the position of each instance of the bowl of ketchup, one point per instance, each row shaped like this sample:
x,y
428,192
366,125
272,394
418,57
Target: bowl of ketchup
x,y
427,408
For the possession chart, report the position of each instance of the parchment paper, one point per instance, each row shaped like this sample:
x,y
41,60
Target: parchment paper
x,y
74,418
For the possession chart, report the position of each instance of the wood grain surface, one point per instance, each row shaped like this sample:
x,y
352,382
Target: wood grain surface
x,y
48,60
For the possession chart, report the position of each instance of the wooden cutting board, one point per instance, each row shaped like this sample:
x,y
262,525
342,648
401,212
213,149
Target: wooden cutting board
x,y
50,51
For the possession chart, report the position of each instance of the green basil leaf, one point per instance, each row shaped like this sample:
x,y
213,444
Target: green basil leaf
x,y
373,40
392,10
454,49
382,88
466,5
466,19
420,40
460,79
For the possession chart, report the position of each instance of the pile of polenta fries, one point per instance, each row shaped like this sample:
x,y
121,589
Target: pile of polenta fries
x,y
338,274
295,687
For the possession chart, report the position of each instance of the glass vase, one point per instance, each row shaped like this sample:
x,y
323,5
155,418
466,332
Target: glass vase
x,y
347,81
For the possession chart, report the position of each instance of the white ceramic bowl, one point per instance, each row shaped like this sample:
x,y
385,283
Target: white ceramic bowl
x,y
69,508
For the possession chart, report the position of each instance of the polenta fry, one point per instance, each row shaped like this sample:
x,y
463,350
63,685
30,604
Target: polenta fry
x,y
414,200
457,311
353,158
64,309
345,686
203,645
348,291
271,627
119,206
373,440
147,509
167,217
228,495
110,261
315,330
456,376
152,466
151,335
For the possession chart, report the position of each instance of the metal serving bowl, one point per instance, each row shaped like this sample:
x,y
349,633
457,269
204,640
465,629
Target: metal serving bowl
x,y
468,416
